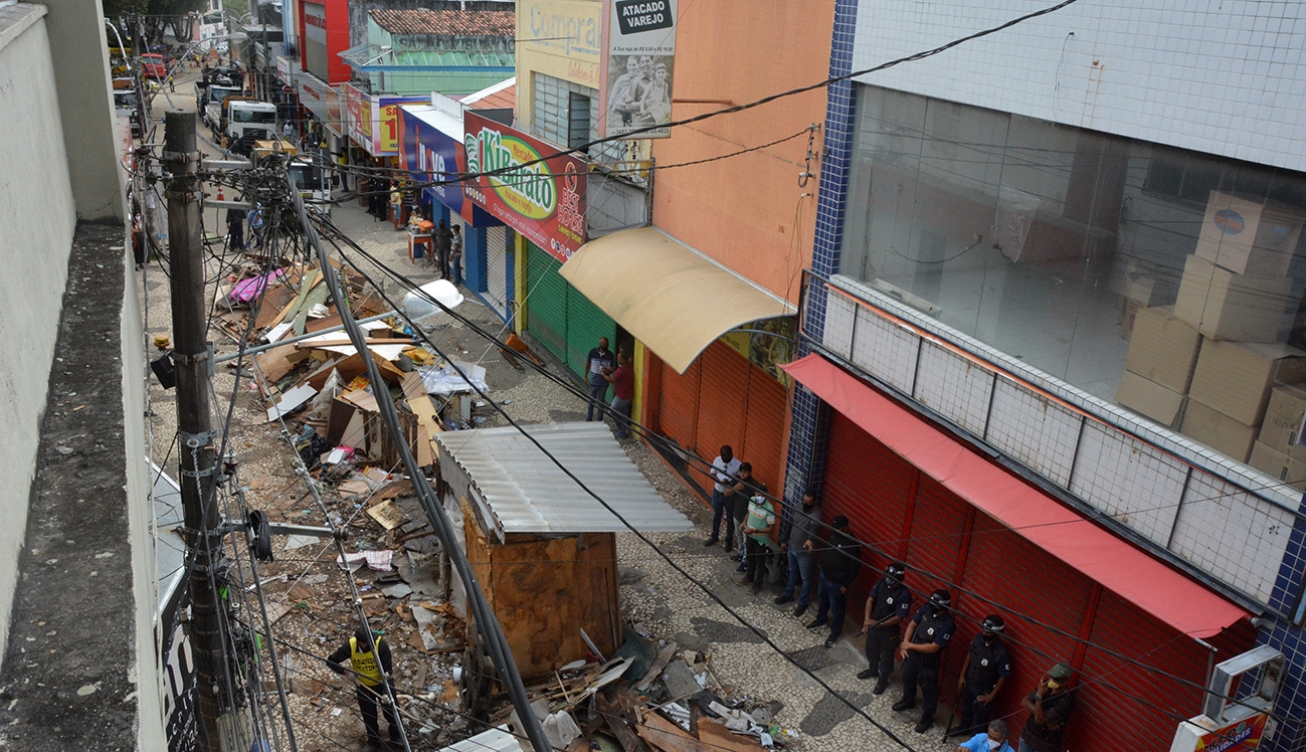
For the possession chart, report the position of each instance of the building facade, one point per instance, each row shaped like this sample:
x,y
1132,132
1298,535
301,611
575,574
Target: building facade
x,y
1055,252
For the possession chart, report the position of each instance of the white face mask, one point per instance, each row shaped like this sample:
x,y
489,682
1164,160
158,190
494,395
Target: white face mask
x,y
994,745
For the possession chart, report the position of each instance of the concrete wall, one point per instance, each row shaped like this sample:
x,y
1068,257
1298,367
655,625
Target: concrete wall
x,y
748,212
82,81
37,219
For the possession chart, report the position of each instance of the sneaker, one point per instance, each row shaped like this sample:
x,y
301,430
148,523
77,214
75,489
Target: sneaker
x,y
802,609
881,687
902,705
736,557
709,542
924,725
742,568
728,545
869,673
831,640
817,624
780,600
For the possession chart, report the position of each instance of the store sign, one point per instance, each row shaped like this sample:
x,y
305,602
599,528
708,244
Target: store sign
x,y
638,68
374,120
768,344
544,201
432,156
1245,734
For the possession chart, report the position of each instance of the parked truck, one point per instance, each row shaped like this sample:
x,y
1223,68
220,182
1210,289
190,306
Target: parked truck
x,y
241,121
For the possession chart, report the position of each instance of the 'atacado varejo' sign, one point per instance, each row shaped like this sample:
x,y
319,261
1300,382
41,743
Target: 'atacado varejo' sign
x,y
542,200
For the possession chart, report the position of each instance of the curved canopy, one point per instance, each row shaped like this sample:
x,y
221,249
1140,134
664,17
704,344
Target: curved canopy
x,y
671,297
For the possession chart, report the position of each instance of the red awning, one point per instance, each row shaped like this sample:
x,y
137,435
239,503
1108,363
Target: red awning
x,y
1112,562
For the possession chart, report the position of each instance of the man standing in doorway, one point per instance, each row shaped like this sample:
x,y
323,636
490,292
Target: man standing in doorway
x,y
798,546
839,564
725,468
455,272
987,666
922,656
443,243
887,607
1049,707
599,364
369,669
623,393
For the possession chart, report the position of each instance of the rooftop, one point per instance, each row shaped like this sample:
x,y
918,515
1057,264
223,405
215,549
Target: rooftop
x,y
423,21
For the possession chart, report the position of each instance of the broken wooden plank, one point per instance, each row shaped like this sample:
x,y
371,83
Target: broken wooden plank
x,y
668,737
717,735
626,737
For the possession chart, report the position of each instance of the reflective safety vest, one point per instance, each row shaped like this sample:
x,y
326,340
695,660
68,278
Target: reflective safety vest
x,y
364,662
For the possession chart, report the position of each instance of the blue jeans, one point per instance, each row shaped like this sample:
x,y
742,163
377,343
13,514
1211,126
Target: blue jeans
x,y
800,567
1025,747
621,416
829,600
598,397
721,507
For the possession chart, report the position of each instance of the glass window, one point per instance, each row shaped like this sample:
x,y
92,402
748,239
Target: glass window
x,y
1161,279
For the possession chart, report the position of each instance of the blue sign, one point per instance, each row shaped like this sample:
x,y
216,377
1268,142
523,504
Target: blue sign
x,y
430,156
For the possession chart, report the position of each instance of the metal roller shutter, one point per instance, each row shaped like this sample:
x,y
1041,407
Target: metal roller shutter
x,y
546,301
496,269
1107,685
764,420
678,406
586,322
872,487
722,395
938,522
1021,578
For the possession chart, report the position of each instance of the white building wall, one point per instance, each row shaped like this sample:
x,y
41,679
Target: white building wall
x,y
37,219
1223,77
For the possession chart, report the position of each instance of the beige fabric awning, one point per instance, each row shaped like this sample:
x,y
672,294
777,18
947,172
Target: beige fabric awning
x,y
673,298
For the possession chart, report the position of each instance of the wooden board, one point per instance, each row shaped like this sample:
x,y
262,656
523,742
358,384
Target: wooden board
x,y
668,737
716,734
274,364
274,301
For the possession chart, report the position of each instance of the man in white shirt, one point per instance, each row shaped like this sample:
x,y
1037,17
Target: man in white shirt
x,y
725,469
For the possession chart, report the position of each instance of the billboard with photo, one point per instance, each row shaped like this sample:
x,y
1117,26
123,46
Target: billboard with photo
x,y
639,65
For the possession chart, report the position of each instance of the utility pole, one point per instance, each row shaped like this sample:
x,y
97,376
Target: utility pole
x,y
194,428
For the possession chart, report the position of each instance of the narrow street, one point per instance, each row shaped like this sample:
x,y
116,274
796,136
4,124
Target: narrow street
x,y
311,601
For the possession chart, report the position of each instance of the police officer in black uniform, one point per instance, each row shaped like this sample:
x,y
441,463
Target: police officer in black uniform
x,y
987,666
922,653
887,607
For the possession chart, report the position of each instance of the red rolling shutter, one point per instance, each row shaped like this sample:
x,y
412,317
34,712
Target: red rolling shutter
x,y
872,487
722,393
764,427
678,405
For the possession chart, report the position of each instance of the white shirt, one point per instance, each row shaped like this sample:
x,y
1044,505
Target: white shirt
x,y
724,473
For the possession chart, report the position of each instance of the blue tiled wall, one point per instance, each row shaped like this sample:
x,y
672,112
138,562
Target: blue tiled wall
x,y
1291,641
807,433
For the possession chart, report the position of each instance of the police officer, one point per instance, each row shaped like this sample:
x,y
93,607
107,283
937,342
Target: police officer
x,y
887,607
987,666
922,655
370,668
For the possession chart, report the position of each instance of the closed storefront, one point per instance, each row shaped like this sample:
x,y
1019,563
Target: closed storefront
x,y
498,263
1138,663
724,399
559,316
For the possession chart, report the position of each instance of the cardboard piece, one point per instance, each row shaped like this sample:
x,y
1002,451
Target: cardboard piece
x,y
1249,237
1235,378
1228,306
274,364
386,514
1279,466
1283,421
1217,430
1163,349
291,401
1150,398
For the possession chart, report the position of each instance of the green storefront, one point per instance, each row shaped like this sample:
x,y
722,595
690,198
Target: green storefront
x,y
557,314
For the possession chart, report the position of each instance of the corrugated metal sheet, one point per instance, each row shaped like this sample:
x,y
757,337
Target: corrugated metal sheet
x,y
494,740
523,491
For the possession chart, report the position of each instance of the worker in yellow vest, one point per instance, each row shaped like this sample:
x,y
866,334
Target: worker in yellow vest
x,y
369,669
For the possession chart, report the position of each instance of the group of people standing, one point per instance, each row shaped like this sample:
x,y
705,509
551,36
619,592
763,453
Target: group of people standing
x,y
896,635
603,368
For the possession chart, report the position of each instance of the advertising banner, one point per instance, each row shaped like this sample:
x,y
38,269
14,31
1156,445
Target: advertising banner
x,y
374,121
545,202
1245,734
639,64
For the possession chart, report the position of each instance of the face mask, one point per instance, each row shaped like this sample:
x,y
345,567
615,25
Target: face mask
x,y
994,745
1054,684
893,581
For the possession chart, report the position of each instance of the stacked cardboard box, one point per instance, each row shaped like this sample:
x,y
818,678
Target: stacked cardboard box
x,y
1235,292
1162,353
1278,451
